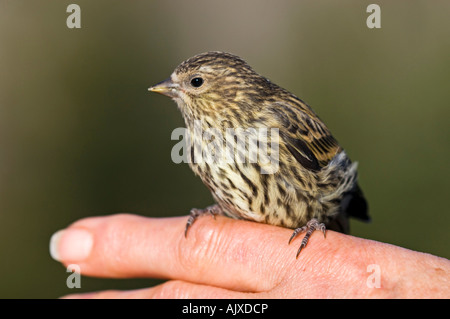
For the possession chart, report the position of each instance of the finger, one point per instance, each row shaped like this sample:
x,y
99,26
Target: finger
x,y
174,289
232,254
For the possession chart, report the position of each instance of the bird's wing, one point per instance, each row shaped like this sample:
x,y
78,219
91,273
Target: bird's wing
x,y
304,134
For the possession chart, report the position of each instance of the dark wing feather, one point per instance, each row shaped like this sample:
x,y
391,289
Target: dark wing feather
x,y
301,152
305,135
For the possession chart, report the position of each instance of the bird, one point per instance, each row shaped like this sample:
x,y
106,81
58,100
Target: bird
x,y
305,181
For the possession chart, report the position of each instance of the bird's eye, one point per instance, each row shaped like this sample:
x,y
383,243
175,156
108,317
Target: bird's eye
x,y
197,82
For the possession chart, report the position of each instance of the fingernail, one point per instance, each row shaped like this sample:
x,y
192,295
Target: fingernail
x,y
71,245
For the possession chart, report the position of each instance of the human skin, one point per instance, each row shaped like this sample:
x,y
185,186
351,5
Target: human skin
x,y
226,258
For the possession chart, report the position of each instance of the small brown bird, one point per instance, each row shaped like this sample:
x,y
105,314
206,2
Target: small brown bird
x,y
304,180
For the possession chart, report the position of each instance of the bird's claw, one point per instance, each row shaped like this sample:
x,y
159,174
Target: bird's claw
x,y
195,213
310,227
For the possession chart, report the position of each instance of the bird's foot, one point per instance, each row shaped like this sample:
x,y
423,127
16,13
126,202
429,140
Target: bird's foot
x,y
310,227
195,213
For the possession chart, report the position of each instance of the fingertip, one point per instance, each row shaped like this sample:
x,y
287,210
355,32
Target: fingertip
x,y
54,245
71,244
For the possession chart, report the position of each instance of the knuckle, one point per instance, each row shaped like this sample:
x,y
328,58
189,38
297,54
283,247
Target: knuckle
x,y
112,229
114,236
116,225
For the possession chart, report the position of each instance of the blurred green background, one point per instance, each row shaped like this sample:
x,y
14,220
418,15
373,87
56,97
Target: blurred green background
x,y
81,136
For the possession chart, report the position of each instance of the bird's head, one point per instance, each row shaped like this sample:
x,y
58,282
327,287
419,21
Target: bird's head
x,y
211,82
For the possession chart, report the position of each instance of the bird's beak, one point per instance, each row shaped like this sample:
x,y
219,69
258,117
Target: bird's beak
x,y
166,87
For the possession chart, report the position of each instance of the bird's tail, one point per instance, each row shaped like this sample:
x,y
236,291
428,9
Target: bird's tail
x,y
352,200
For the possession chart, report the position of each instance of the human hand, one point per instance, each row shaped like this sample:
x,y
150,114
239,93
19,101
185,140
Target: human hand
x,y
226,258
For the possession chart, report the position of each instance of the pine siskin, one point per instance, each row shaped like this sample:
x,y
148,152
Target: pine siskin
x,y
314,183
